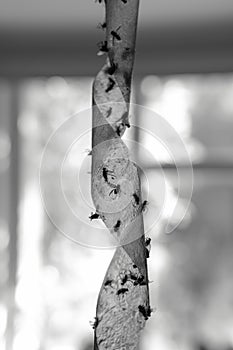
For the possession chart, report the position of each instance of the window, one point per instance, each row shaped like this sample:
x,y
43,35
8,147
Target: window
x,y
56,281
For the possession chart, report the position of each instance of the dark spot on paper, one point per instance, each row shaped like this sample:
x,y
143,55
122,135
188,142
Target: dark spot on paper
x,y
111,70
124,280
117,225
94,216
136,198
109,111
122,291
111,84
144,205
108,283
103,46
115,35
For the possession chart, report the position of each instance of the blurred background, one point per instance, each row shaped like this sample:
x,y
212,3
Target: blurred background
x,y
183,70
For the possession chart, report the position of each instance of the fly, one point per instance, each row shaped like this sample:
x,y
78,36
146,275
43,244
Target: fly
x,y
94,323
116,190
115,35
124,280
111,84
105,174
136,198
122,291
89,152
103,47
109,111
148,246
143,311
108,283
102,25
111,70
117,225
119,129
94,216
124,119
144,205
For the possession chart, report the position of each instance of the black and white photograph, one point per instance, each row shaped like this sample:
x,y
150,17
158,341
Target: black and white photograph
x,y
116,175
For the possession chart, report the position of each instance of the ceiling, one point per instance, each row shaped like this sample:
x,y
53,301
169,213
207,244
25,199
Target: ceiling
x,y
49,37
70,14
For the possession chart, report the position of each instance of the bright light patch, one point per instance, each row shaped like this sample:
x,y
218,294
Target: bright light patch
x,y
3,320
57,87
26,340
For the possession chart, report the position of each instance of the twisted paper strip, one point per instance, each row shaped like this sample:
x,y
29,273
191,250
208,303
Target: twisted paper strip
x,y
123,302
